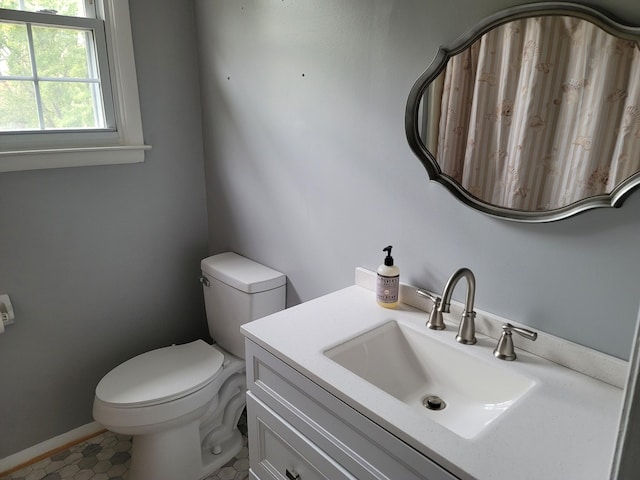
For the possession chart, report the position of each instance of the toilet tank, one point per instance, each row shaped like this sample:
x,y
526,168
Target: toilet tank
x,y
236,291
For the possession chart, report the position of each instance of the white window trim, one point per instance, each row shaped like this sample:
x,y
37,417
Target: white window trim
x,y
128,145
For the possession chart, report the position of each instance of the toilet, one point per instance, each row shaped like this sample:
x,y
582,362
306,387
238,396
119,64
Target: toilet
x,y
182,403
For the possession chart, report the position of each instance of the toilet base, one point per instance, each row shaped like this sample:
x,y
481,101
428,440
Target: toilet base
x,y
178,455
230,448
186,452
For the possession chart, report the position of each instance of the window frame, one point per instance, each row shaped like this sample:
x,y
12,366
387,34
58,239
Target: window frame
x,y
122,144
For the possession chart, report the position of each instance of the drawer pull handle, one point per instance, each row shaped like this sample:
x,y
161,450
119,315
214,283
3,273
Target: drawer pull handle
x,y
292,475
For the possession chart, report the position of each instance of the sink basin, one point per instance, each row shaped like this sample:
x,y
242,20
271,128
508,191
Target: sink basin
x,y
411,366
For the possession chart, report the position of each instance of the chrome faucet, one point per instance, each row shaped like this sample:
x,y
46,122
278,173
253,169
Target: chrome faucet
x,y
467,329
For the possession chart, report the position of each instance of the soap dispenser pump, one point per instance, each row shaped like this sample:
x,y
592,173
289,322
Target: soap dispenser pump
x,y
388,282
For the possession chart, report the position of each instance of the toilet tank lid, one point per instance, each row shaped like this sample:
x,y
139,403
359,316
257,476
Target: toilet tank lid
x,y
241,273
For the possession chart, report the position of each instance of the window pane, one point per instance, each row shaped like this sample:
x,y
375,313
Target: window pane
x,y
72,8
18,109
61,52
14,50
68,105
12,4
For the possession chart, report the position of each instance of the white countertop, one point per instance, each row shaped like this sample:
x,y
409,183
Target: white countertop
x,y
565,428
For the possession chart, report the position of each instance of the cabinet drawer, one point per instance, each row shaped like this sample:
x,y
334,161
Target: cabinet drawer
x,y
279,452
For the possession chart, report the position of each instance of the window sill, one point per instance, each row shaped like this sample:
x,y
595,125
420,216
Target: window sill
x,y
12,161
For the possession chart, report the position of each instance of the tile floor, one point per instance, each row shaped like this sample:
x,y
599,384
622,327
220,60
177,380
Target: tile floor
x,y
106,457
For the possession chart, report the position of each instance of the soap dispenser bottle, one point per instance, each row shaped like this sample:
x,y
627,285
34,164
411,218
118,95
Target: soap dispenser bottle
x,y
388,282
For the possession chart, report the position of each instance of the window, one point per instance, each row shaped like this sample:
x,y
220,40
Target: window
x,y
68,88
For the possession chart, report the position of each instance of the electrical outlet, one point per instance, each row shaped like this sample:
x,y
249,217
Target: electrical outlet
x,y
6,310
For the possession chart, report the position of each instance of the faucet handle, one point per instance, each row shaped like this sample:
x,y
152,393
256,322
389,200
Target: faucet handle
x,y
434,298
504,350
436,321
528,334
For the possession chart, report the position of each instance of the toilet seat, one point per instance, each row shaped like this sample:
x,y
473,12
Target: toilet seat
x,y
161,375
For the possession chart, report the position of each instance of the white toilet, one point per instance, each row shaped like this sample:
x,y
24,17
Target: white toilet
x,y
181,403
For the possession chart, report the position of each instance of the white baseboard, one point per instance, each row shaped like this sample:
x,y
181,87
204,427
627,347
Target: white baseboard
x,y
31,453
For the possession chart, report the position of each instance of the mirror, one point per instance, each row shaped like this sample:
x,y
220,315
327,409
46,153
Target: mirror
x,y
534,115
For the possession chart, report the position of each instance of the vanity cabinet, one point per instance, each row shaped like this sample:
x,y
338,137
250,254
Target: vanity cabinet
x,y
300,431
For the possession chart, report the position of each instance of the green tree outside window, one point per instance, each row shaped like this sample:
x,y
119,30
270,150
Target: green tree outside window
x,y
69,91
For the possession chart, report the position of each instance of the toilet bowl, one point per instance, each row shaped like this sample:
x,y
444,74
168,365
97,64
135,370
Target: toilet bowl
x,y
181,403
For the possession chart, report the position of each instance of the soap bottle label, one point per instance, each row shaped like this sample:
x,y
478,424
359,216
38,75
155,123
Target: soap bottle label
x,y
387,289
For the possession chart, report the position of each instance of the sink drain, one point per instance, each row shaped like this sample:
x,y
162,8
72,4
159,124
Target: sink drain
x,y
433,402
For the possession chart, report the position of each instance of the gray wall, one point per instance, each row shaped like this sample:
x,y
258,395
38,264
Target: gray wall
x,y
308,169
101,262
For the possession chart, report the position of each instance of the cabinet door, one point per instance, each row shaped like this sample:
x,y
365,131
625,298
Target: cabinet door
x,y
279,452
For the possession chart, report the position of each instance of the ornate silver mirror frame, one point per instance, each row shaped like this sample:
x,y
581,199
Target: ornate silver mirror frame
x,y
414,116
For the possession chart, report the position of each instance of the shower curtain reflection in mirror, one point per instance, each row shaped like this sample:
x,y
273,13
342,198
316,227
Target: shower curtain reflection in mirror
x,y
538,114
